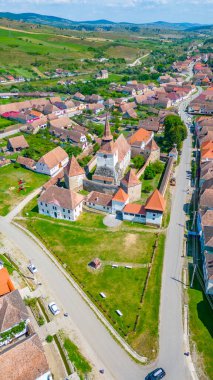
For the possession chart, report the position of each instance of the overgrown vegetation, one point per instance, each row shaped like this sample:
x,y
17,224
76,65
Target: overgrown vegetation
x,y
82,366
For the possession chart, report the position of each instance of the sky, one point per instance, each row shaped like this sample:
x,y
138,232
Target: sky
x,y
138,11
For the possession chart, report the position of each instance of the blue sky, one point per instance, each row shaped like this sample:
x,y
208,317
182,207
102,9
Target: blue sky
x,y
139,11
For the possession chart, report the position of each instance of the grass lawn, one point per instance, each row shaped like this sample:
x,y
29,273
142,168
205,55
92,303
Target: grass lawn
x,y
76,244
145,339
5,123
201,327
9,194
153,183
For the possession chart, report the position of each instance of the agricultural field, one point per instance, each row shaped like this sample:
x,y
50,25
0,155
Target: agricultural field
x,y
75,244
10,195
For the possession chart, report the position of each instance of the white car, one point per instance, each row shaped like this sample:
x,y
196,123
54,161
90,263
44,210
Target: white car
x,y
54,308
32,268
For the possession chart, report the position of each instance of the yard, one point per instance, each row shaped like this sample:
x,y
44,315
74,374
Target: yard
x,y
75,244
9,193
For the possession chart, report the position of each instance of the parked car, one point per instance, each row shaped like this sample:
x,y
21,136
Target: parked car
x,y
53,308
157,374
32,268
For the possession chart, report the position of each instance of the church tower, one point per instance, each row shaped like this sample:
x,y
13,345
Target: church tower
x,y
107,158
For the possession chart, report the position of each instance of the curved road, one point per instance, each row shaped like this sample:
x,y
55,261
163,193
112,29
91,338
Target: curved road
x,y
118,365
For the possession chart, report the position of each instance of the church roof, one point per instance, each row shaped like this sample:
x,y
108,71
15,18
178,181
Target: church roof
x,y
73,168
122,146
108,147
107,132
155,202
130,179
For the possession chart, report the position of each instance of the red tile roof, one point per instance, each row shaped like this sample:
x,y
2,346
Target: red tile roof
x,y
6,285
62,197
120,196
134,208
156,202
54,157
140,135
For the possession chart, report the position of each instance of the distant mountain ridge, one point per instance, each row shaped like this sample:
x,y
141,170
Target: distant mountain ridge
x,y
65,23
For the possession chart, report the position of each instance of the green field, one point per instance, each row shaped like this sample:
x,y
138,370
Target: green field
x,y
9,177
77,244
5,123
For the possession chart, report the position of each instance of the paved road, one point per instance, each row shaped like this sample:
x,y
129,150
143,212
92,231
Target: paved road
x,y
138,60
10,133
109,354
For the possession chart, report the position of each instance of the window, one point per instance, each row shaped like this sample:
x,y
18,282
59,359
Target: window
x,y
47,211
105,156
45,204
41,203
42,210
68,211
154,214
63,209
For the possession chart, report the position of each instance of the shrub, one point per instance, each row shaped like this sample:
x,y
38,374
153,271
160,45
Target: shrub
x,y
49,338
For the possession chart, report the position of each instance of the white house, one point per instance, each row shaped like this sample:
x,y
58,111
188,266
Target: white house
x,y
100,201
134,212
60,203
151,213
155,206
52,162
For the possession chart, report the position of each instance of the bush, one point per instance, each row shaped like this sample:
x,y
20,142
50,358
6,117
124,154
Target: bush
x,y
41,321
147,189
49,338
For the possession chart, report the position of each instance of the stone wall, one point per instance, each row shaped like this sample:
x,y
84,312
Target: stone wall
x,y
91,164
101,187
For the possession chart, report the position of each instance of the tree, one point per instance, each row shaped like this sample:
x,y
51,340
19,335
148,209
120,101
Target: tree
x,y
175,131
158,166
138,161
149,173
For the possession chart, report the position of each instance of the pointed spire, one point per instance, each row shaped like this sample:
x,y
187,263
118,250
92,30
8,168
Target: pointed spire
x,y
107,137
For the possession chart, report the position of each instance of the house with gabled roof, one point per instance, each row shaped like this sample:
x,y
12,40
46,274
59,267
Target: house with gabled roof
x,y
74,175
52,162
60,203
17,143
99,201
155,206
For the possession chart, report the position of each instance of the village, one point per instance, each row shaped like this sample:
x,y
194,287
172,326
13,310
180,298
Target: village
x,y
92,178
